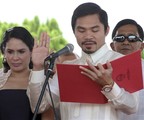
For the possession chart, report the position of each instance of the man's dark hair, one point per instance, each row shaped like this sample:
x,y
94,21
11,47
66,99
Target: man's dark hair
x,y
89,8
127,22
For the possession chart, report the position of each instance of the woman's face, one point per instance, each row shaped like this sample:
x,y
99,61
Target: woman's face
x,y
17,55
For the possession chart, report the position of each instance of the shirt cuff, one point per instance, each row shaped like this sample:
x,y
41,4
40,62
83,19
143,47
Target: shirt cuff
x,y
37,76
115,92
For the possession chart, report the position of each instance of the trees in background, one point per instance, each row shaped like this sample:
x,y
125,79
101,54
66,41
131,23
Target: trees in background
x,y
35,27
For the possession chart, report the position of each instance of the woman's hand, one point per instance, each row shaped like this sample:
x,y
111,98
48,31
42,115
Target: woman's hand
x,y
40,51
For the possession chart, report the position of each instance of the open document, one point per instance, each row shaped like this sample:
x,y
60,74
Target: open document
x,y
75,87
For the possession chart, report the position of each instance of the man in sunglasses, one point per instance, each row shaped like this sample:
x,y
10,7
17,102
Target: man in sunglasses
x,y
127,38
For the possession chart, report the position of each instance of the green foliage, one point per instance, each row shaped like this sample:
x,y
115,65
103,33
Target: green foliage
x,y
35,28
4,27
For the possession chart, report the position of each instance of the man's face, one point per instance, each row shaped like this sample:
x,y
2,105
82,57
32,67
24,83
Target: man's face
x,y
127,47
90,33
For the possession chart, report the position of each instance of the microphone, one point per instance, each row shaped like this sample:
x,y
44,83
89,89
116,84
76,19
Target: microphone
x,y
67,49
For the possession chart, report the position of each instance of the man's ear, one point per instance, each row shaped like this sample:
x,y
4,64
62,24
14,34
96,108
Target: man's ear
x,y
107,30
112,46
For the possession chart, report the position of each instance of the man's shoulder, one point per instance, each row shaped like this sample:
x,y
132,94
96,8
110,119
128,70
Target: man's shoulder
x,y
111,55
75,61
116,53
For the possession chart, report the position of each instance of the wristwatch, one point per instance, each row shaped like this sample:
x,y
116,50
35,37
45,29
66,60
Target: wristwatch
x,y
108,88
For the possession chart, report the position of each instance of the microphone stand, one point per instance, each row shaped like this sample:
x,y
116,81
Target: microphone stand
x,y
49,72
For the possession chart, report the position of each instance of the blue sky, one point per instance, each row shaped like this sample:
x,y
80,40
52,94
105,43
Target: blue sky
x,y
17,10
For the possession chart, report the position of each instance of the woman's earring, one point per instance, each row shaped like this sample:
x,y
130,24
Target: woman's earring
x,y
4,60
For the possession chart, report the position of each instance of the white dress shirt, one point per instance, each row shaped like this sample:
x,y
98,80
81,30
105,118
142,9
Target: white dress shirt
x,y
119,99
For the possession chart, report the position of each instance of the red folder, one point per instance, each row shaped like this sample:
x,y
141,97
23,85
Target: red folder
x,y
75,87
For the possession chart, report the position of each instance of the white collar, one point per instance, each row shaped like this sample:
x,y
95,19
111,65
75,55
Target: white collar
x,y
96,55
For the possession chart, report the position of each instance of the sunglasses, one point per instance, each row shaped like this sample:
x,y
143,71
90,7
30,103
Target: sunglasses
x,y
130,38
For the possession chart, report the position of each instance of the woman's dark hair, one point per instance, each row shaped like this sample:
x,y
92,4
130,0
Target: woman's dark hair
x,y
20,33
89,9
128,22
